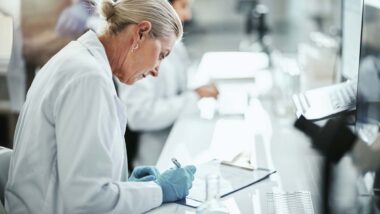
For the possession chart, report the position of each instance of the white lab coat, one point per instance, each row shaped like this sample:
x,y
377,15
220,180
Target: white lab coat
x,y
69,152
153,104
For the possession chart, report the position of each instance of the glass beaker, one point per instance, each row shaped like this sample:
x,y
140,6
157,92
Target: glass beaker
x,y
286,76
212,205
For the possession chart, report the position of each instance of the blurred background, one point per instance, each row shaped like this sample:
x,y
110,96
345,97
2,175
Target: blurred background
x,y
217,25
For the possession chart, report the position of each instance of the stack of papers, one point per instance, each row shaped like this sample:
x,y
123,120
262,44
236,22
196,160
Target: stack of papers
x,y
6,39
233,65
232,102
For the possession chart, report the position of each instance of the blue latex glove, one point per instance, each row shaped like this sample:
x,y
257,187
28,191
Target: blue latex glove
x,y
144,173
72,21
175,183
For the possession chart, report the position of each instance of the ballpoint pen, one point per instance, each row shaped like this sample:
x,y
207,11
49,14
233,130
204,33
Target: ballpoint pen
x,y
176,163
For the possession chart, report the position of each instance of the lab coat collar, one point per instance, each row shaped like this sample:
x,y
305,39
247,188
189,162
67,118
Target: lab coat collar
x,y
91,41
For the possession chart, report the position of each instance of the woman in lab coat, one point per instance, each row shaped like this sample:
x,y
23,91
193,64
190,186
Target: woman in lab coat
x,y
153,105
69,154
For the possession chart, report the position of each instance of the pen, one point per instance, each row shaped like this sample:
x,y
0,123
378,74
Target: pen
x,y
176,163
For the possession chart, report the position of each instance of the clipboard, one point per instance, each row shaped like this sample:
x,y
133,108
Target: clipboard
x,y
241,160
232,179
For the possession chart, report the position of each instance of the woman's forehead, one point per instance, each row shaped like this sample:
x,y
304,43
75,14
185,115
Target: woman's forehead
x,y
168,41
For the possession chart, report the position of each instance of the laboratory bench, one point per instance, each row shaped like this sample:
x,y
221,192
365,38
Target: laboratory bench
x,y
266,129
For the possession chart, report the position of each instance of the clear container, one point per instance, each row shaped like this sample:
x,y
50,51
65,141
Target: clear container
x,y
286,80
212,205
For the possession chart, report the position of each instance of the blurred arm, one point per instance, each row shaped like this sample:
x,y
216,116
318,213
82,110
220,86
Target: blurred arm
x,y
148,112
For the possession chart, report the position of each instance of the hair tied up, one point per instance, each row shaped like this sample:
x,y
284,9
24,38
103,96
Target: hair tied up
x,y
109,9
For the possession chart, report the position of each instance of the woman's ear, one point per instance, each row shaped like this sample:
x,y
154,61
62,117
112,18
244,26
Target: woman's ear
x,y
144,28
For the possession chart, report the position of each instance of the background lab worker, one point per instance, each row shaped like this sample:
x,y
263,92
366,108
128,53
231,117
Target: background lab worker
x,y
43,38
154,104
69,147
79,16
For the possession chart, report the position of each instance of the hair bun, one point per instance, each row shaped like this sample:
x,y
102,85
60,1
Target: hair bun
x,y
108,9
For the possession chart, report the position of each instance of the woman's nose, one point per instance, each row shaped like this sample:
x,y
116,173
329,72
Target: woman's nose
x,y
154,72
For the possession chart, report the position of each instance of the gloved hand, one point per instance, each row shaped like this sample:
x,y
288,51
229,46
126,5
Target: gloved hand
x,y
144,173
175,183
72,21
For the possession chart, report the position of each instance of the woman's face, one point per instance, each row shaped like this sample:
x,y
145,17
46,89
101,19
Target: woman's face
x,y
183,9
144,57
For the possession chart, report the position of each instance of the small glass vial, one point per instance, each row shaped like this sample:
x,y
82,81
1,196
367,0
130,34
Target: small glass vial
x,y
212,204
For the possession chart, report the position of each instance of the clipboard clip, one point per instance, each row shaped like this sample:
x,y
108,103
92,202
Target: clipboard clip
x,y
241,160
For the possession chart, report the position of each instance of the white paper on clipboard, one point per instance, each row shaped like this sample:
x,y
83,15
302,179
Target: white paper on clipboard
x,y
232,179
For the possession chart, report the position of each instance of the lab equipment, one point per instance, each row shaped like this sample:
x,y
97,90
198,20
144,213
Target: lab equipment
x,y
144,173
212,205
290,202
232,179
335,99
362,57
286,82
231,65
175,183
351,35
368,96
241,160
232,100
341,97
366,157
176,163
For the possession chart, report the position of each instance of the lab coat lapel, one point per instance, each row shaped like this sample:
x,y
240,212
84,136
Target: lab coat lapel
x,y
91,42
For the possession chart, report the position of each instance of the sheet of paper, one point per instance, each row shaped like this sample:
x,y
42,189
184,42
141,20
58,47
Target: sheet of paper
x,y
231,179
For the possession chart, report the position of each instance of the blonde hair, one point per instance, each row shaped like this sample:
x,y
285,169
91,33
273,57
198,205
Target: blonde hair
x,y
121,13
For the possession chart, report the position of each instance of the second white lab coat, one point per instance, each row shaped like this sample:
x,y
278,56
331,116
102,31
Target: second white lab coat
x,y
69,154
153,104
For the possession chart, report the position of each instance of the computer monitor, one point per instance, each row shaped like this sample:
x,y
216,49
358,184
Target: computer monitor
x,y
368,93
351,34
325,102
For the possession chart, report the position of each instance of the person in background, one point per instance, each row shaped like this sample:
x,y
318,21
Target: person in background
x,y
44,37
69,154
153,105
78,17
